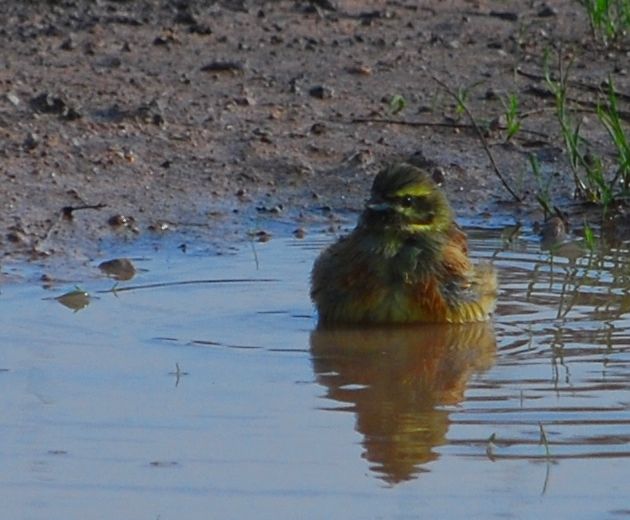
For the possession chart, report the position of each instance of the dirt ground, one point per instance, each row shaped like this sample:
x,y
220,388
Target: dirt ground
x,y
124,118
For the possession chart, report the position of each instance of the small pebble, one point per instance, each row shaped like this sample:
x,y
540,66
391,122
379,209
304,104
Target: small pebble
x,y
321,92
120,220
546,11
31,141
318,128
13,98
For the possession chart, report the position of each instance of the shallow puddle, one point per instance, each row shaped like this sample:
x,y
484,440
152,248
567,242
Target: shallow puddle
x,y
200,389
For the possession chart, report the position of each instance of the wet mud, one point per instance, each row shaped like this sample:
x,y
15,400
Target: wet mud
x,y
218,118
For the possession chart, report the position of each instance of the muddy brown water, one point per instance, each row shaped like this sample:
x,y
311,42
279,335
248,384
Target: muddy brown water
x,y
199,388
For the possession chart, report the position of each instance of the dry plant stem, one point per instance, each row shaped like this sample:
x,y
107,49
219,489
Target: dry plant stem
x,y
577,84
385,121
537,111
577,105
581,104
481,138
430,124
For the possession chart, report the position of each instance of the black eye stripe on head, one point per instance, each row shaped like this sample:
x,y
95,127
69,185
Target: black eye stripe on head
x,y
418,202
406,202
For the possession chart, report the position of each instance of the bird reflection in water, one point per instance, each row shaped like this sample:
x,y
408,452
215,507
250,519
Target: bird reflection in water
x,y
395,380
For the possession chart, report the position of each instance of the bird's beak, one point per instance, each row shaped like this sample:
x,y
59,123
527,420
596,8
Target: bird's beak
x,y
378,206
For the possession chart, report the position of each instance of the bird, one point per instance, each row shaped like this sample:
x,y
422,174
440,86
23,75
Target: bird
x,y
406,261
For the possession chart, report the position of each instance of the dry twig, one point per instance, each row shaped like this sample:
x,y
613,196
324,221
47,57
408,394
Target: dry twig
x,y
482,138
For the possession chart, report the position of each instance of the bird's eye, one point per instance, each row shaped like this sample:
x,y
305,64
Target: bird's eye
x,y
406,202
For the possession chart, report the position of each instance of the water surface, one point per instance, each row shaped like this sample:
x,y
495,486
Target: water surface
x,y
200,388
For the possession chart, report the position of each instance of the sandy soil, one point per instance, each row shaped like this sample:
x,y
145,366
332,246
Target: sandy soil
x,y
122,118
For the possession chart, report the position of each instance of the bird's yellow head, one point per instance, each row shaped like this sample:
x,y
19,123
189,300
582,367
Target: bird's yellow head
x,y
405,199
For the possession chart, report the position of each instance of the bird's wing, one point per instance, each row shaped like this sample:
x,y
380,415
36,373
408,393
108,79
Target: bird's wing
x,y
455,262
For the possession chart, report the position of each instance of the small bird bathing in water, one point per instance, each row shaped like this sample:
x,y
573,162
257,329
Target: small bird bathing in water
x,y
405,262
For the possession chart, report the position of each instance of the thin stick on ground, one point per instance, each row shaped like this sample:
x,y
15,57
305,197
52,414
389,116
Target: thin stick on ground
x,y
431,124
159,285
482,138
595,89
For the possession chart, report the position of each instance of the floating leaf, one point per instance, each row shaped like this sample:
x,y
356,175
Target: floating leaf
x,y
75,300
